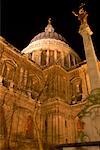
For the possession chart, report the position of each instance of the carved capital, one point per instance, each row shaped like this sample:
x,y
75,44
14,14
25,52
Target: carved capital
x,y
85,29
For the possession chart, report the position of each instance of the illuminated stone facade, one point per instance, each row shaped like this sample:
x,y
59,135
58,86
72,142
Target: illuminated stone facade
x,y
44,95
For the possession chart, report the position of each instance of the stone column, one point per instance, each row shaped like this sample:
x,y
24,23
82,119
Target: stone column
x,y
21,76
25,78
74,61
57,125
53,128
71,130
33,56
39,58
61,129
69,63
1,79
55,55
49,138
47,59
62,59
93,69
11,86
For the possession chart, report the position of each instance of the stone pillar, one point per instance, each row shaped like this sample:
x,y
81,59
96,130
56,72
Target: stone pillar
x,y
57,133
53,128
93,69
63,128
25,78
47,59
49,138
11,86
69,63
39,57
60,129
55,55
56,127
33,56
71,130
1,79
21,76
62,59
74,61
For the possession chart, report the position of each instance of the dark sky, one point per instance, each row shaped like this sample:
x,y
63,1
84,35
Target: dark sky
x,y
22,20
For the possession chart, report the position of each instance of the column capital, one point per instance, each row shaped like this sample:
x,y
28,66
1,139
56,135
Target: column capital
x,y
85,29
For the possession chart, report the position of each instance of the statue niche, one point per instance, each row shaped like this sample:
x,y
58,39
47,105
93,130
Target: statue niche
x,y
76,90
33,85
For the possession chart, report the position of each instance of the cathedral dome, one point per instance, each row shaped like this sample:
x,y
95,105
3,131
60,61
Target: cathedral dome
x,y
46,35
49,33
49,47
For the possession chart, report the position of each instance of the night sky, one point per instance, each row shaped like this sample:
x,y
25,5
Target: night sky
x,y
22,20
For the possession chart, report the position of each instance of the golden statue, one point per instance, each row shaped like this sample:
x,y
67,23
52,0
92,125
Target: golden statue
x,y
82,17
82,14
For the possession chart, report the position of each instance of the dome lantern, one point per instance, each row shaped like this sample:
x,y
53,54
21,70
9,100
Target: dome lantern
x,y
49,27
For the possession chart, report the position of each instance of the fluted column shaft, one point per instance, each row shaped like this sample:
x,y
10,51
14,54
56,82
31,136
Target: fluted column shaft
x,y
93,69
47,59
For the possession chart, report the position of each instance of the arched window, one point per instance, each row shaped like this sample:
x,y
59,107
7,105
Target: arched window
x,y
76,89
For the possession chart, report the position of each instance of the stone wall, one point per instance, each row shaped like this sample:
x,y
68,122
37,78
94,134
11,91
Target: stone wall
x,y
49,104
